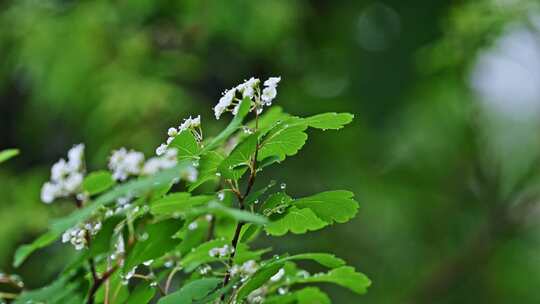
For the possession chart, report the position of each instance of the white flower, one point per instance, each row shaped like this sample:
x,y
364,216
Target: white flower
x,y
75,157
190,123
66,177
185,125
168,159
249,267
268,94
49,192
151,166
221,251
172,132
59,170
196,122
248,87
224,102
161,149
191,174
272,81
78,235
123,163
73,182
170,140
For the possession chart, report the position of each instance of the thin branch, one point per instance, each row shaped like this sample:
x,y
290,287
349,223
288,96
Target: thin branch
x,y
238,230
97,284
211,228
169,279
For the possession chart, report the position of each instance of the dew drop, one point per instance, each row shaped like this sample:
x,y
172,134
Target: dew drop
x,y
143,237
193,226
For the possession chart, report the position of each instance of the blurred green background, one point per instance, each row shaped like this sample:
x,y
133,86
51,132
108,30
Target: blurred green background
x,y
443,153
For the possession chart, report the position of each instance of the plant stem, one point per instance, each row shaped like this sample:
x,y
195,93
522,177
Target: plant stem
x,y
238,230
97,283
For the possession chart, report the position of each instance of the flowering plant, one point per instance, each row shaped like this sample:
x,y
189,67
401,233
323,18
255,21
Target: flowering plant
x,y
177,227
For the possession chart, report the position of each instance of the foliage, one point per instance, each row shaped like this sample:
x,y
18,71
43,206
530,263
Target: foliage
x,y
145,232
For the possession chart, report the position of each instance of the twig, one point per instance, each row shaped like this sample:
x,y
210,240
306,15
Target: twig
x,y
97,283
169,279
238,230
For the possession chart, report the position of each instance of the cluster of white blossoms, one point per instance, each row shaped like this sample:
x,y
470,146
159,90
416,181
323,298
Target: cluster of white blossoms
x,y
221,252
66,176
165,161
244,270
191,124
123,203
78,236
248,89
124,163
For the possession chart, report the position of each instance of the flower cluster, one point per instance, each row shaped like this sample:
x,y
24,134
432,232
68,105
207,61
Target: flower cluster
x,y
165,161
123,203
124,163
78,236
188,124
248,89
221,251
244,270
66,176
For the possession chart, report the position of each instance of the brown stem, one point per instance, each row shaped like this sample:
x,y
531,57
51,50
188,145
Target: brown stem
x,y
97,283
211,228
238,230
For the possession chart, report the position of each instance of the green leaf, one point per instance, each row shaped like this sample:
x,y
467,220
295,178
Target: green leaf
x,y
231,128
102,241
97,182
308,295
325,259
25,250
285,139
7,154
200,255
234,166
237,214
296,221
330,206
121,291
333,121
187,145
257,280
208,165
269,119
255,195
249,233
344,276
177,203
312,295
63,290
219,292
142,294
192,291
137,187
159,241
193,237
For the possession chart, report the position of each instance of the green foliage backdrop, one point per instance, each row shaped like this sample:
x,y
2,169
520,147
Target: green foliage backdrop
x,y
446,189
